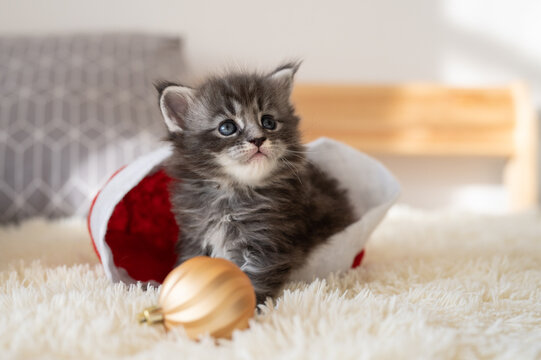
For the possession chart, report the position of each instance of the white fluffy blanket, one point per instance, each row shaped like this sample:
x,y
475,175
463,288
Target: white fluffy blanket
x,y
438,285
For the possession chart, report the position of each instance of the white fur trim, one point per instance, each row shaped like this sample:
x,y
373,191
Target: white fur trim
x,y
372,190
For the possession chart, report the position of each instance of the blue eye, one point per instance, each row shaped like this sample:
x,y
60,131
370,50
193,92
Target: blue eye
x,y
228,127
268,122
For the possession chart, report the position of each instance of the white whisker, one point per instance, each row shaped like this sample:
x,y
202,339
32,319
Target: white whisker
x,y
293,169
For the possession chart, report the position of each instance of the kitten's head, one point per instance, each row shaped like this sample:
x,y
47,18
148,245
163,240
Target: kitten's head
x,y
239,127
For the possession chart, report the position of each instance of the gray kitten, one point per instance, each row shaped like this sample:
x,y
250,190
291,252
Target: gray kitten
x,y
245,190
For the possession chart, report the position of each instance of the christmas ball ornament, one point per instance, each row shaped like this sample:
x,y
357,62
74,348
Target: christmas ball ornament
x,y
204,295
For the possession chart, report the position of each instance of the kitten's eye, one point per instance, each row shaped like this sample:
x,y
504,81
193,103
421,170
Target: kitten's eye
x,y
268,122
228,127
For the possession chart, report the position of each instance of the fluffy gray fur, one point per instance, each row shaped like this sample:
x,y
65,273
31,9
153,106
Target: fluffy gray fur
x,y
251,196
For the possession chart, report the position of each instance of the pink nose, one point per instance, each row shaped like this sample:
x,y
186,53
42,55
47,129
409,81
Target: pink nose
x,y
258,141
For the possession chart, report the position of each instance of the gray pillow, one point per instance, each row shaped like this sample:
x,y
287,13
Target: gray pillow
x,y
73,109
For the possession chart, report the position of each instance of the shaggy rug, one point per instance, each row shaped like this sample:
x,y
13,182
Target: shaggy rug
x,y
440,285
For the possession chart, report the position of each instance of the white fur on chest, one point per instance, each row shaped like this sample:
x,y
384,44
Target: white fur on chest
x,y
217,233
215,237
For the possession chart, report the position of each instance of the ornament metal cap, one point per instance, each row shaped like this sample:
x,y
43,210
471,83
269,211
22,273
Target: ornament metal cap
x,y
151,315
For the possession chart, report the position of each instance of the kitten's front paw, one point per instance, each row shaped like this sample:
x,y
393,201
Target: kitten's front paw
x,y
260,298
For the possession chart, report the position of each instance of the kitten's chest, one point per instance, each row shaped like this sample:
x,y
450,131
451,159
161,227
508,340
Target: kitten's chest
x,y
226,221
217,236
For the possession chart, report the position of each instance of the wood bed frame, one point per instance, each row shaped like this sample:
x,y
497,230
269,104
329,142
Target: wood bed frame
x,y
434,120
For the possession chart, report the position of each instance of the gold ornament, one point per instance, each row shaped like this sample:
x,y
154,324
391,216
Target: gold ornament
x,y
204,295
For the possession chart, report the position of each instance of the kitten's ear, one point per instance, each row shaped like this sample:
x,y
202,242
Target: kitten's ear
x,y
175,101
283,76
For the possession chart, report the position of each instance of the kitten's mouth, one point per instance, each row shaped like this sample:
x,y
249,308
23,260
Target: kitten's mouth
x,y
257,156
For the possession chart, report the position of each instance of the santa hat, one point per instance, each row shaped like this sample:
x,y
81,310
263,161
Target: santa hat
x,y
134,231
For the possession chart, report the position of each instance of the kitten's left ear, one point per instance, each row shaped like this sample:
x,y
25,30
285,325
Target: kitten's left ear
x,y
175,100
283,76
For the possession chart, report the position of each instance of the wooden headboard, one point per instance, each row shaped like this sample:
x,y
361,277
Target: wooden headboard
x,y
433,120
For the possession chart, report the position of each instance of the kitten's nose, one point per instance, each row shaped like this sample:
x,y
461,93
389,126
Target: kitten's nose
x,y
258,141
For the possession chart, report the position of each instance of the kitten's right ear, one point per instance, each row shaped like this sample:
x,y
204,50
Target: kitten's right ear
x,y
283,76
175,101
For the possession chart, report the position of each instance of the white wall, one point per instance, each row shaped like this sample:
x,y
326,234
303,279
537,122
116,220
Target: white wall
x,y
452,41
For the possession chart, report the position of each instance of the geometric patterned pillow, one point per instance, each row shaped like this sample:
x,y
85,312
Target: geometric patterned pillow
x,y
73,109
